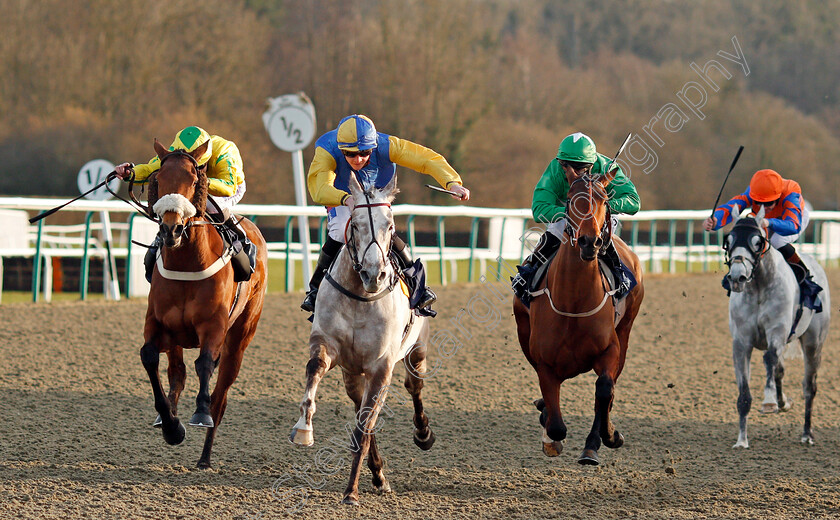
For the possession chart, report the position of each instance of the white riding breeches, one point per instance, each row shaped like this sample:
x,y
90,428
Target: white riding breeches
x,y
777,240
227,202
337,218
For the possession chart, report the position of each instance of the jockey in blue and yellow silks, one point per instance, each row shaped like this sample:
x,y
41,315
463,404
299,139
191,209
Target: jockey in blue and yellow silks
x,y
356,148
785,212
225,184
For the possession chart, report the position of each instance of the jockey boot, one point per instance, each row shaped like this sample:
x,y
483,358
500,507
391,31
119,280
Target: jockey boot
x,y
245,252
808,288
623,283
151,257
329,251
426,297
521,283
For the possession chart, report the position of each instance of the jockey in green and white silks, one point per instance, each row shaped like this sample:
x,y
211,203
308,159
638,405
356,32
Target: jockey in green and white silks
x,y
356,148
576,157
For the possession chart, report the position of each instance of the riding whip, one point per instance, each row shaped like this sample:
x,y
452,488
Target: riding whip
x,y
444,191
735,160
49,212
623,146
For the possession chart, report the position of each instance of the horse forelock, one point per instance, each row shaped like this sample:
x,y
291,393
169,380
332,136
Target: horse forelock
x,y
174,202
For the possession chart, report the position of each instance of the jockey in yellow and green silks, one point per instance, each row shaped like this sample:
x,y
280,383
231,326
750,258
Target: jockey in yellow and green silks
x,y
354,147
576,157
225,184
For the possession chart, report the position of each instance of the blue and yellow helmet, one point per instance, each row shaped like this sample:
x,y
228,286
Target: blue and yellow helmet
x,y
356,133
191,138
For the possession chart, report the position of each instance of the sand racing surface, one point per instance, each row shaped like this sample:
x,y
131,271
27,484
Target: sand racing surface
x,y
76,439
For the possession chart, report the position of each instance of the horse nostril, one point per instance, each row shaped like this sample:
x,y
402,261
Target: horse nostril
x,y
599,242
381,276
742,279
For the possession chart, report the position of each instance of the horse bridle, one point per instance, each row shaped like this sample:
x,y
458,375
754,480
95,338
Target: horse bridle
x,y
606,228
756,256
183,153
350,240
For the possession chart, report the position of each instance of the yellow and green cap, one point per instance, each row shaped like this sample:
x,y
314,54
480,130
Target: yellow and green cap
x,y
191,138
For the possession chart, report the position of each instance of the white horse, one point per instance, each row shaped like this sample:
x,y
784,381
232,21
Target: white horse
x,y
364,325
762,312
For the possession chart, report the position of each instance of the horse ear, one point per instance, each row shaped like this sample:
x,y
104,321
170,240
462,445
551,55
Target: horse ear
x,y
390,190
160,150
356,188
201,150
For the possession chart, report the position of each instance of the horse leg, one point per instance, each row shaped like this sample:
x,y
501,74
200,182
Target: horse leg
x,y
812,350
177,373
374,397
784,404
229,365
319,362
602,426
741,355
173,430
415,372
774,371
355,386
554,429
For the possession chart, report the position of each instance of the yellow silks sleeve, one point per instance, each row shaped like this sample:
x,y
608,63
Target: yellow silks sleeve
x,y
321,179
224,169
424,160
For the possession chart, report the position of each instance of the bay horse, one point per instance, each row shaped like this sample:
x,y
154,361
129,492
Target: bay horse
x,y
363,324
763,310
571,329
193,300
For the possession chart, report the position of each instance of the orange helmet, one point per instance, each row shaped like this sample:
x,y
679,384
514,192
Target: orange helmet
x,y
766,186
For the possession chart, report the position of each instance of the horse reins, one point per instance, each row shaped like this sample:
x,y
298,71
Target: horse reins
x,y
354,254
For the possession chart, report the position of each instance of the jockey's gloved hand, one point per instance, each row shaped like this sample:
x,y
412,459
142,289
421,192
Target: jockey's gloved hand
x,y
350,202
124,170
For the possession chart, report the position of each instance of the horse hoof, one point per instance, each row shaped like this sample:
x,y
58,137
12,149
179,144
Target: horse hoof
x,y
767,408
616,442
589,458
350,501
202,420
204,464
425,444
176,436
302,437
741,444
158,422
807,439
552,449
383,489
787,405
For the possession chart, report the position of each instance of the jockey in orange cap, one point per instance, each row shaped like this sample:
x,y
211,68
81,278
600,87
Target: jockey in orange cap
x,y
786,214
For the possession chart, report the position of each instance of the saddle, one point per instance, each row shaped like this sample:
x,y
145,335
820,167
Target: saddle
x,y
244,255
414,277
607,274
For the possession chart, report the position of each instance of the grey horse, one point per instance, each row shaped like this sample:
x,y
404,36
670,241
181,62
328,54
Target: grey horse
x,y
762,311
363,324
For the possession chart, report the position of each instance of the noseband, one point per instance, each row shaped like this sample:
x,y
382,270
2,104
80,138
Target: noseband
x,y
351,242
572,231
182,153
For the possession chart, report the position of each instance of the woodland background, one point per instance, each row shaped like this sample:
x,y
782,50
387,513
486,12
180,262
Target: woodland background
x,y
493,85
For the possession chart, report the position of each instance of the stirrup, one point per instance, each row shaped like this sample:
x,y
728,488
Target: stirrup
x,y
429,297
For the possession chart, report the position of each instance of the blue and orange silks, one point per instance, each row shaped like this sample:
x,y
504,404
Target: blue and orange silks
x,y
329,173
785,218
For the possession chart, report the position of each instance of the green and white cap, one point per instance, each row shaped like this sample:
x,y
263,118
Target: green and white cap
x,y
577,147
